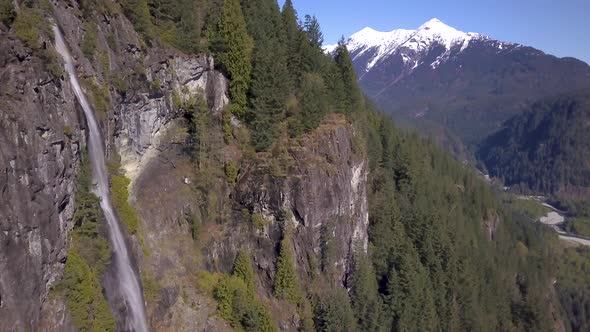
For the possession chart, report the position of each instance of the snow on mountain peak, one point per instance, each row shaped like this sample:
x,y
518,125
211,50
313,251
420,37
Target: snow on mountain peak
x,y
410,41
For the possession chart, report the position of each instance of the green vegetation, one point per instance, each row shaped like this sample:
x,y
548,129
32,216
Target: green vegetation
x,y
530,208
207,282
580,226
259,221
88,256
27,26
364,295
139,14
286,286
93,7
119,186
99,97
120,84
243,269
545,149
573,278
232,47
51,61
89,42
87,305
333,312
195,223
429,266
434,267
231,173
236,299
68,131
178,23
151,286
7,12
155,86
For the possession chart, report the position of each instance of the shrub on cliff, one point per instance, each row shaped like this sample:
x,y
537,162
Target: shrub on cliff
x,y
236,299
120,196
27,26
88,307
7,13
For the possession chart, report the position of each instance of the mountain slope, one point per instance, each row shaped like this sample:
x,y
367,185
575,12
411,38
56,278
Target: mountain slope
x,y
454,83
546,148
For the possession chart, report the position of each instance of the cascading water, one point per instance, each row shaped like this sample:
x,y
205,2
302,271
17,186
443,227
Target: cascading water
x,y
126,277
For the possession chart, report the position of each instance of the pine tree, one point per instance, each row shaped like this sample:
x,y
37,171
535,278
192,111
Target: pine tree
x,y
314,31
270,79
285,286
354,97
233,49
314,105
293,37
310,46
366,303
243,269
333,312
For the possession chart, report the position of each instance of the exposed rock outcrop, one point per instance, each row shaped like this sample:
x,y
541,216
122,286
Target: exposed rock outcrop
x,y
320,191
41,135
141,118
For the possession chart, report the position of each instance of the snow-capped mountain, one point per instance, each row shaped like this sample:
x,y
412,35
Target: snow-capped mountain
x,y
408,43
461,86
374,46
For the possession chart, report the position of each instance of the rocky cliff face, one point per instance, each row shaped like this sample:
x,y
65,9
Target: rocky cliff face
x,y
319,188
321,194
41,135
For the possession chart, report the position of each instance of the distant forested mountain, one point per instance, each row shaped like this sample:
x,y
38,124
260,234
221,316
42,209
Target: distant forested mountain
x,y
546,148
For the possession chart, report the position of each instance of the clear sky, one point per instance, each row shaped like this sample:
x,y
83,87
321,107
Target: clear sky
x,y
558,27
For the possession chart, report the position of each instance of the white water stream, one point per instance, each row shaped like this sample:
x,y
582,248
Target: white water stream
x,y
128,283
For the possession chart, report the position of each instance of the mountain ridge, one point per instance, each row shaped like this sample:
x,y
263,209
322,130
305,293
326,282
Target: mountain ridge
x,y
457,86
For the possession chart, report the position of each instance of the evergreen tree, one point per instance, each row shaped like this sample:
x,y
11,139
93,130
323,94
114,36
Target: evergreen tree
x,y
243,269
314,31
310,46
285,286
314,105
352,92
139,14
270,79
333,312
366,303
293,38
233,49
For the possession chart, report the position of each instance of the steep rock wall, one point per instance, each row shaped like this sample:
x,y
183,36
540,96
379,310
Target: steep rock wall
x,y
41,135
322,193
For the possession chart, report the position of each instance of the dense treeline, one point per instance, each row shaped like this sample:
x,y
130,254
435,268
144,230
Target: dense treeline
x,y
572,283
434,267
545,149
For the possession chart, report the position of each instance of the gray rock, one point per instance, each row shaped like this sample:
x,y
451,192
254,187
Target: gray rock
x,y
37,171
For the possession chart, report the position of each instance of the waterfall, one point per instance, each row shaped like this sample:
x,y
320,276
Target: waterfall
x,y
128,283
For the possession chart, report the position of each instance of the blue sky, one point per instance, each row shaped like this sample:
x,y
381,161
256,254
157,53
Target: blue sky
x,y
559,27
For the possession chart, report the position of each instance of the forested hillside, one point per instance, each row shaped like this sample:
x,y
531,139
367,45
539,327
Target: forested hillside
x,y
298,206
431,264
546,148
